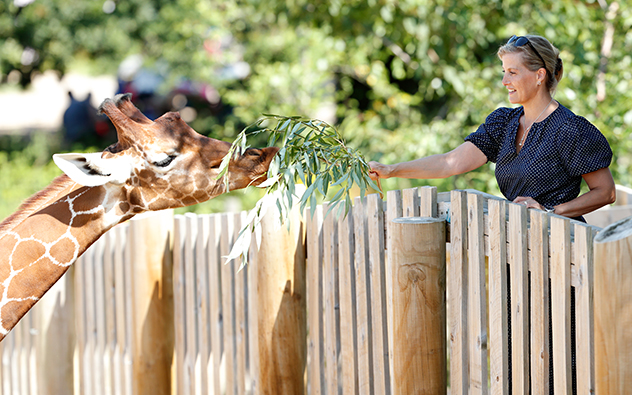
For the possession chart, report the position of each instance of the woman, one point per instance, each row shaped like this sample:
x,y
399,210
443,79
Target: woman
x,y
541,149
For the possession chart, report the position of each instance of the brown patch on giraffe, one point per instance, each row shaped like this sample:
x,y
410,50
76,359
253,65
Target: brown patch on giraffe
x,y
26,252
64,247
187,188
188,201
123,207
13,311
135,197
86,201
83,219
5,270
60,211
203,183
6,246
203,196
150,195
175,194
147,176
30,281
159,204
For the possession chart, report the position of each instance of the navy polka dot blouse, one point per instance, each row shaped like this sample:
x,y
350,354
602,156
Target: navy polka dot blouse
x,y
555,154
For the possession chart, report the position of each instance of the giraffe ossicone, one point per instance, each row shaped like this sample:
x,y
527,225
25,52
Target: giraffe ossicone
x,y
155,165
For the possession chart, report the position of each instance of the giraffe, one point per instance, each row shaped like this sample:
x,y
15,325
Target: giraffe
x,y
155,165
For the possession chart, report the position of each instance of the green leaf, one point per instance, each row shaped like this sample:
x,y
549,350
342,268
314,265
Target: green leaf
x,y
341,179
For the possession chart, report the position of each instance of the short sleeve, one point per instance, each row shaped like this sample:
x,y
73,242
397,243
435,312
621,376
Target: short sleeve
x,y
583,148
490,135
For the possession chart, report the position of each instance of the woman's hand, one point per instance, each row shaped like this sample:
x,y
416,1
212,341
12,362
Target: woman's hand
x,y
378,170
602,192
529,202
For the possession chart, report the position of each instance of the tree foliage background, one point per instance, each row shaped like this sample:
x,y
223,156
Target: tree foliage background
x,y
404,78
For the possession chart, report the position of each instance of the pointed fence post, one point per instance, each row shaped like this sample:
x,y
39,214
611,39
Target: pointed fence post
x,y
613,309
278,299
418,287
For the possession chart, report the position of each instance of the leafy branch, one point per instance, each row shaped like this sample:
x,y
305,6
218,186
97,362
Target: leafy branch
x,y
313,154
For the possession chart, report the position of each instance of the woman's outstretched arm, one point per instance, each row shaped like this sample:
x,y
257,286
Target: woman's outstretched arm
x,y
462,159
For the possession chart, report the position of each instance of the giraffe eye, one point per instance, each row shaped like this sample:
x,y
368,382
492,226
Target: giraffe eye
x,y
165,162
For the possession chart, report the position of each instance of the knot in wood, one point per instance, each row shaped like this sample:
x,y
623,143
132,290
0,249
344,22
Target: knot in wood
x,y
410,274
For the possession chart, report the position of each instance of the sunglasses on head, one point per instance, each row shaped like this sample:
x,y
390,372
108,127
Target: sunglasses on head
x,y
519,41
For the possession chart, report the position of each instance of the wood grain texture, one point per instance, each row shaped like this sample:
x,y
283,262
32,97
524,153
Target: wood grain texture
x,y
539,263
613,309
477,296
419,310
561,304
498,314
519,297
457,281
281,326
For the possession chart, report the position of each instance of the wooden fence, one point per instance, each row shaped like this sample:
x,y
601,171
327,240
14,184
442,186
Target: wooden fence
x,y
151,308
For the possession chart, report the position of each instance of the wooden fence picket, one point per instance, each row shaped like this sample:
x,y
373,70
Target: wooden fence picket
x,y
394,210
364,333
330,300
228,303
518,273
203,298
375,228
457,288
179,298
216,320
561,304
498,314
348,308
539,264
584,305
315,349
477,306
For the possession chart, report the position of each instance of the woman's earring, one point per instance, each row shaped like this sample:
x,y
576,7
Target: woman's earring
x,y
539,83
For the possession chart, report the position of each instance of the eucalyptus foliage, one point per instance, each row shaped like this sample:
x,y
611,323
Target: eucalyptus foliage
x,y
313,154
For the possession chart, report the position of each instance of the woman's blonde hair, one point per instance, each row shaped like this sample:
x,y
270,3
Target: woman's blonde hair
x,y
551,56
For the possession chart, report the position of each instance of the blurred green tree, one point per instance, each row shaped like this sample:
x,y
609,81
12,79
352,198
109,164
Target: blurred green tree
x,y
401,79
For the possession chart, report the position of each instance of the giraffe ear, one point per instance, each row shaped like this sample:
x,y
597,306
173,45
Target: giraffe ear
x,y
92,170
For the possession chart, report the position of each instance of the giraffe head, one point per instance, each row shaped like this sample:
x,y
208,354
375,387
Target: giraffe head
x,y
163,163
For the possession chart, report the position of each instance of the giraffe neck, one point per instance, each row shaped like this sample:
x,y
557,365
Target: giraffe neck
x,y
37,251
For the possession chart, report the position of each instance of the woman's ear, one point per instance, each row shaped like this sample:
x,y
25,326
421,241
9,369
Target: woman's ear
x,y
541,76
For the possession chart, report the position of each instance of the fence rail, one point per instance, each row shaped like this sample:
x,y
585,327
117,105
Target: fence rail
x,y
151,308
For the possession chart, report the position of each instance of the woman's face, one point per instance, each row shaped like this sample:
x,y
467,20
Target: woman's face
x,y
520,81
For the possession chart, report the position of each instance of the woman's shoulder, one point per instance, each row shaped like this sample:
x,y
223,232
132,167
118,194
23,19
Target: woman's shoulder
x,y
568,122
504,114
501,119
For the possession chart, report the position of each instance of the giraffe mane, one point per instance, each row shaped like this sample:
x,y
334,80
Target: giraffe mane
x,y
35,202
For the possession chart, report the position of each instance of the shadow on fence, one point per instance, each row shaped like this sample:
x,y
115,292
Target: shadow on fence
x,y
365,304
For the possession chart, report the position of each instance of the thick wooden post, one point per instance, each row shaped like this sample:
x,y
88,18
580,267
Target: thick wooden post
x,y
613,309
150,242
278,299
419,305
